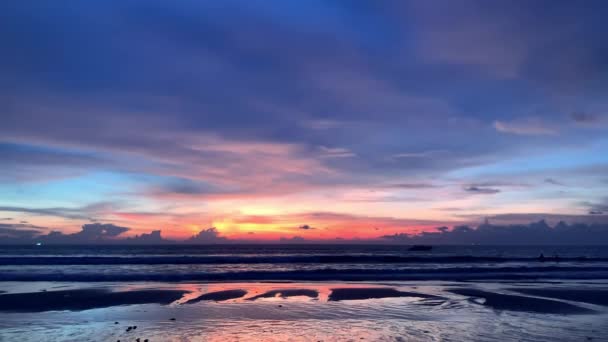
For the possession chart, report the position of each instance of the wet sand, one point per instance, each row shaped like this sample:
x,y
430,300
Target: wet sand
x,y
83,299
332,311
219,296
508,302
592,296
373,293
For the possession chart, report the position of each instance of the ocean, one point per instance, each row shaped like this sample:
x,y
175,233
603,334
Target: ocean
x,y
298,262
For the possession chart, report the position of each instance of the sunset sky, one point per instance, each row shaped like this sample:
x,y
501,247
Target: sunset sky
x,y
315,119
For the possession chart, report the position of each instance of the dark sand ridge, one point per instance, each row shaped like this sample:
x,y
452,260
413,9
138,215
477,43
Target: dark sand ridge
x,y
592,296
373,292
218,296
76,300
285,293
522,303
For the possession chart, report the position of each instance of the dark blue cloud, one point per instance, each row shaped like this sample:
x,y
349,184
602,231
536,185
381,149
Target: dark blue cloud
x,y
152,238
93,233
87,212
305,227
258,70
481,190
19,232
207,236
536,233
597,208
185,187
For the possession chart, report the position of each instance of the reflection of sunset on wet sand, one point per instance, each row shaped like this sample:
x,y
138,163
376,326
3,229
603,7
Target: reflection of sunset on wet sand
x,y
292,312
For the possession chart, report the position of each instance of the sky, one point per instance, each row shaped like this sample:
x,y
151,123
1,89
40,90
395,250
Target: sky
x,y
315,120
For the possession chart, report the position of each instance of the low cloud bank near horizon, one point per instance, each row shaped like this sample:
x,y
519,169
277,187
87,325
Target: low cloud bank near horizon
x,y
535,233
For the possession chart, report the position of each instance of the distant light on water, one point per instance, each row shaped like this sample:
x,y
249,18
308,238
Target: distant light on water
x,y
38,243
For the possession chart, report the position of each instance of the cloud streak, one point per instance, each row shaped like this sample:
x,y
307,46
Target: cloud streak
x,y
474,189
525,127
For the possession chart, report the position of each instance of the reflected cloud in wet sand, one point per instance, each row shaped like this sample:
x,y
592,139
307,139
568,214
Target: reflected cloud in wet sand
x,y
509,302
373,293
84,299
219,296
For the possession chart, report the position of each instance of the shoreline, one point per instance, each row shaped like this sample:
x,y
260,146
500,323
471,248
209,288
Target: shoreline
x,y
301,311
503,296
328,274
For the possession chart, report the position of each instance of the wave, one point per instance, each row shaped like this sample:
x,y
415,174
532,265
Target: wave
x,y
314,259
328,274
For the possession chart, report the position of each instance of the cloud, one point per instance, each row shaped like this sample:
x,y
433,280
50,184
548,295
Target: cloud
x,y
98,233
536,233
333,218
412,186
27,162
94,233
530,126
386,199
207,236
521,218
473,36
11,231
554,182
423,154
182,186
305,227
594,231
294,239
354,219
323,124
597,208
336,152
69,213
474,189
152,238
584,118
590,120
87,212
90,233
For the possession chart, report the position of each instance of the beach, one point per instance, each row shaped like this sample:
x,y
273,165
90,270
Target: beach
x,y
303,293
305,311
